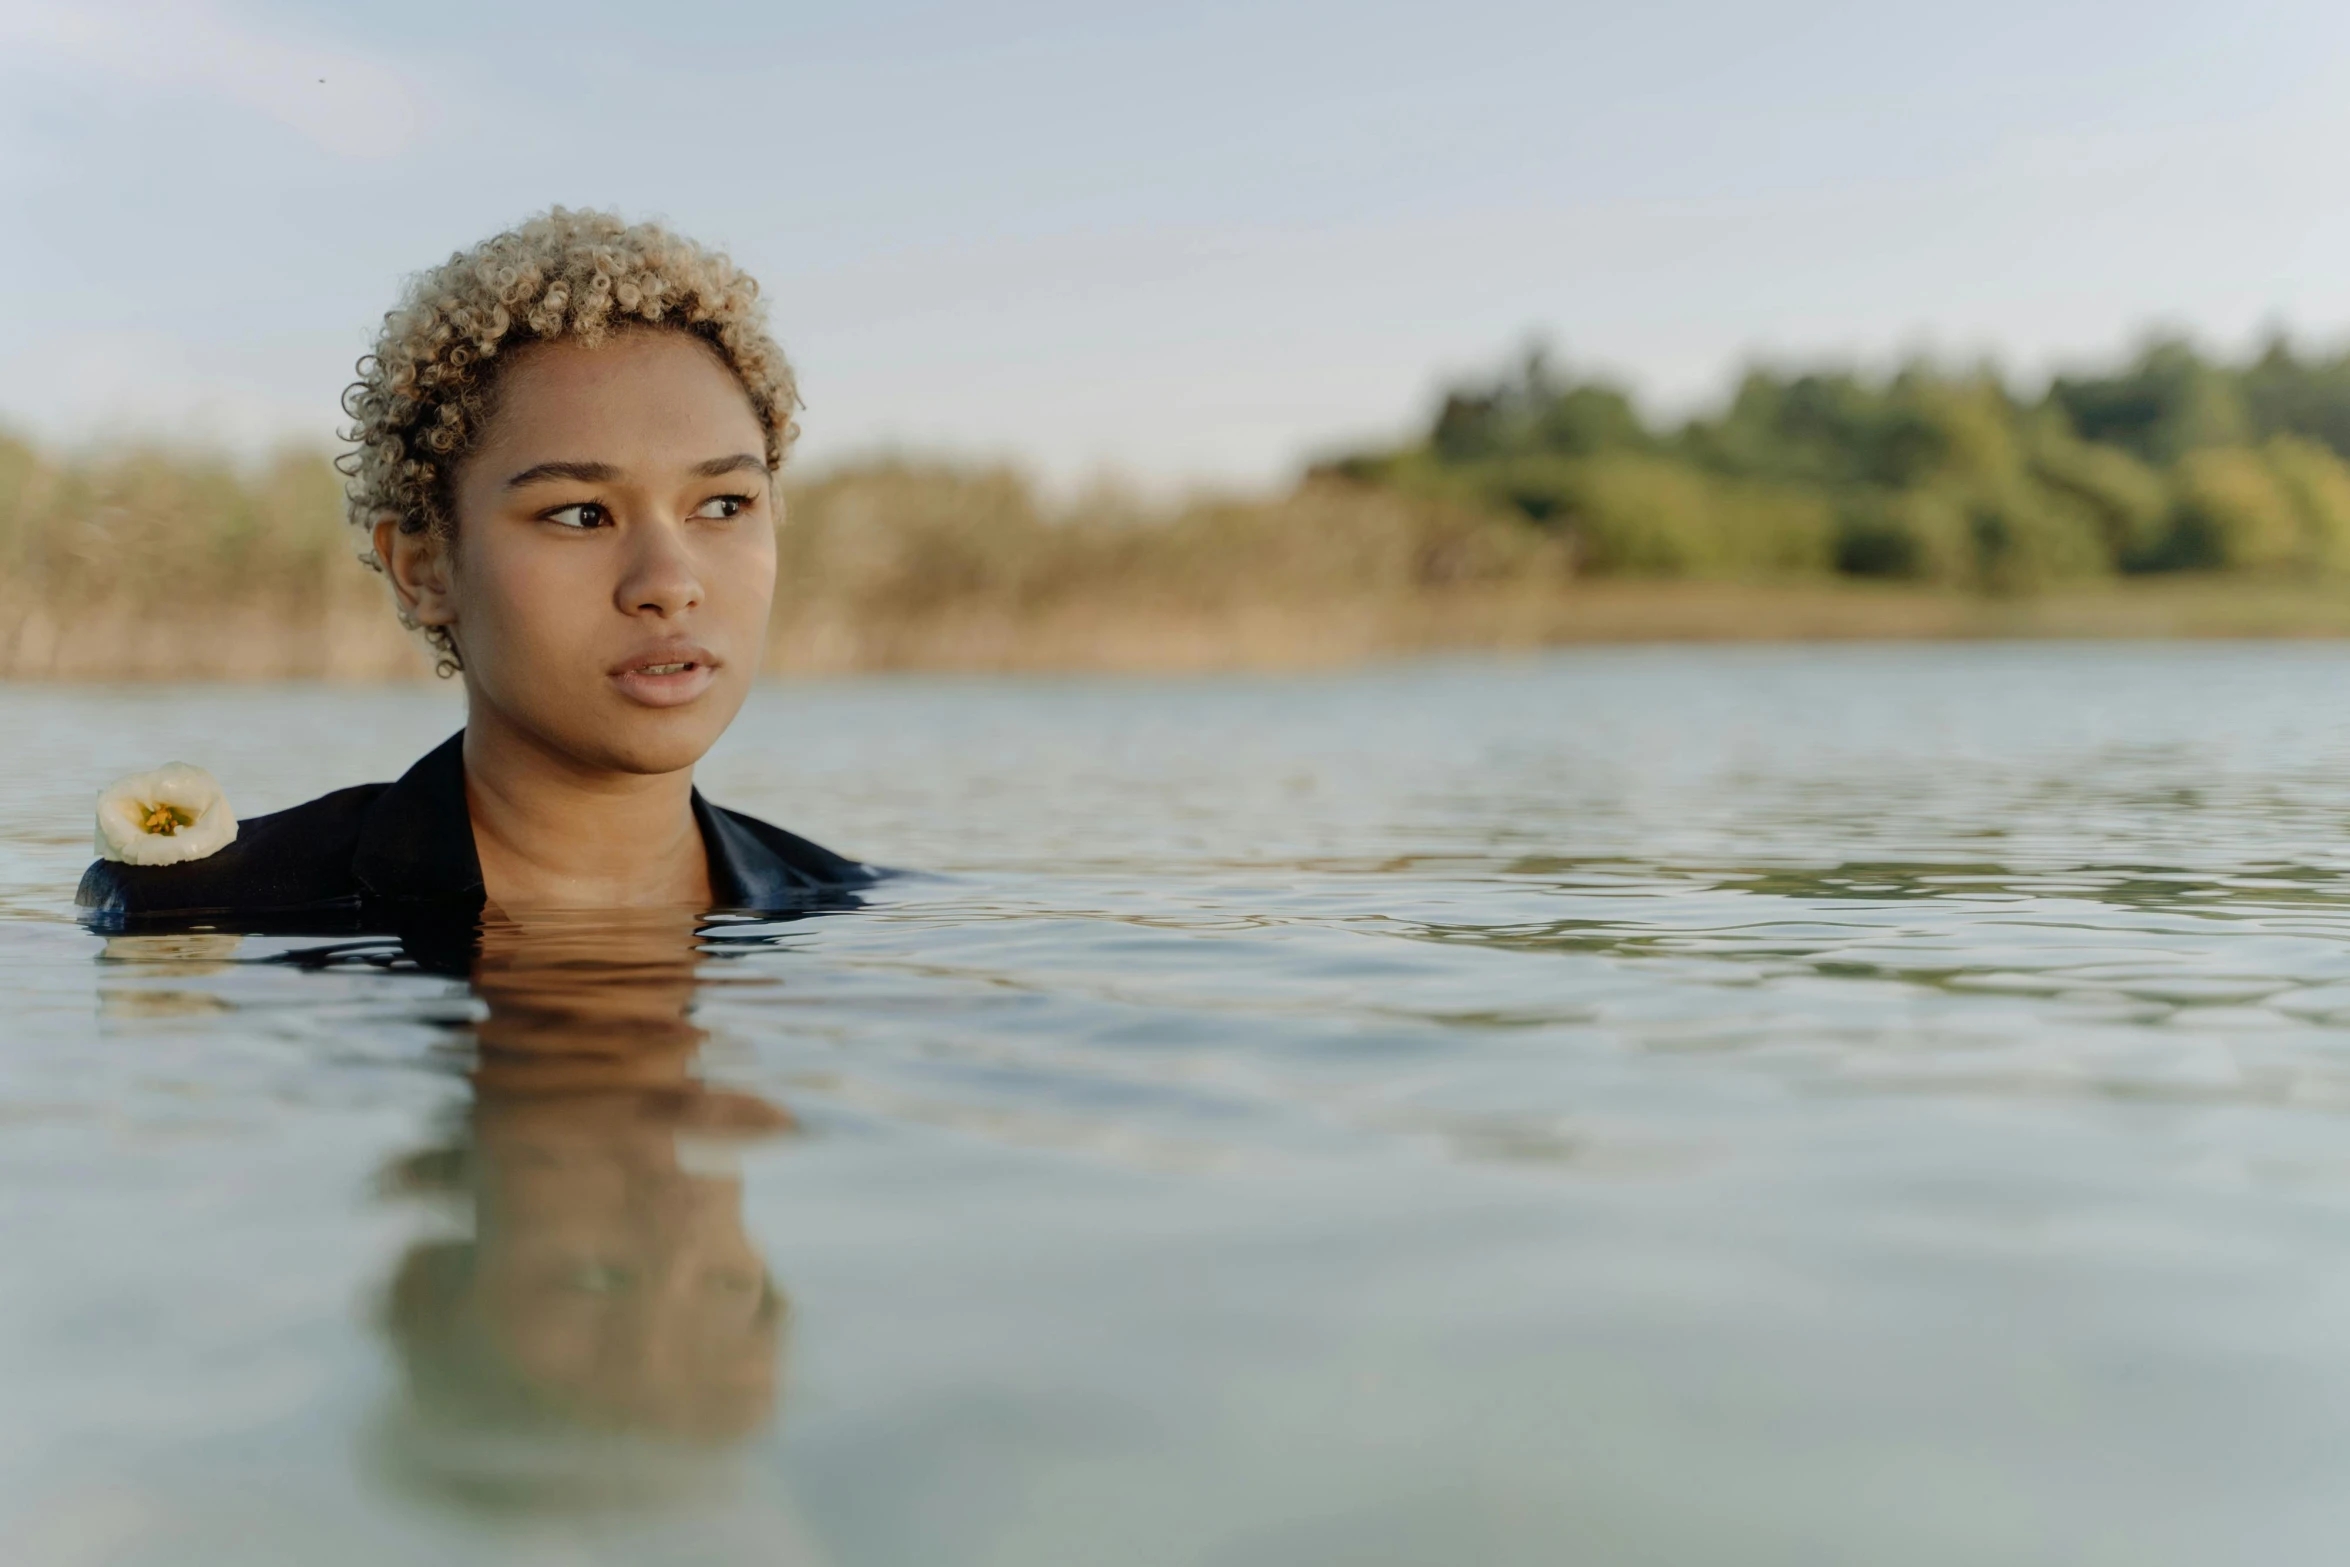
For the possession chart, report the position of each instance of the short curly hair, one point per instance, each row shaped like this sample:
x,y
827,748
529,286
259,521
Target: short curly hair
x,y
428,390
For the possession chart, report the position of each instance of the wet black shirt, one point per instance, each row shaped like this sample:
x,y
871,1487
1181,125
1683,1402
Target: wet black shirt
x,y
367,857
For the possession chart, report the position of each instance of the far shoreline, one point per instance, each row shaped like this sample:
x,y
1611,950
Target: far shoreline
x,y
353,637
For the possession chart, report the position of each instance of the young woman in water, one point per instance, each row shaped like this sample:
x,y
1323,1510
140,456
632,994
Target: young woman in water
x,y
565,448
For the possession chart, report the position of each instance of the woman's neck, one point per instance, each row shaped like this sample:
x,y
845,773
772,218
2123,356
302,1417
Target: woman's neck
x,y
552,834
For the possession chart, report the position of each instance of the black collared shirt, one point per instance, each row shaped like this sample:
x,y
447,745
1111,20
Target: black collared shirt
x,y
372,854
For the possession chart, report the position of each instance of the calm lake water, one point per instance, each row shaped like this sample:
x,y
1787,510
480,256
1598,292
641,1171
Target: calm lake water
x,y
1685,1106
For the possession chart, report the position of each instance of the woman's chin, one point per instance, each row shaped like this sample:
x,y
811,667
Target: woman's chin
x,y
641,739
604,728
660,748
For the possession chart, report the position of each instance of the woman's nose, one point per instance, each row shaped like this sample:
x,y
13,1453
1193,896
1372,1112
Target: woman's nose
x,y
659,576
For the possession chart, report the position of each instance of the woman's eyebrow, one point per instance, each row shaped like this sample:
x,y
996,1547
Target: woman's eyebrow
x,y
582,472
740,462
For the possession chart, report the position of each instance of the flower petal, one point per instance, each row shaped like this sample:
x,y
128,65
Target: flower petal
x,y
187,800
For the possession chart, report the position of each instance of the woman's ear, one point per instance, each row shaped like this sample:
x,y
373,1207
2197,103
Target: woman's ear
x,y
418,566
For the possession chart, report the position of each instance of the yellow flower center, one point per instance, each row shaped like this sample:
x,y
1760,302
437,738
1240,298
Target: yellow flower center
x,y
164,820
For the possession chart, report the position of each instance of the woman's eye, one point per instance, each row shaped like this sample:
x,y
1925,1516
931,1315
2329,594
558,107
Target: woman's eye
x,y
598,1278
719,507
587,514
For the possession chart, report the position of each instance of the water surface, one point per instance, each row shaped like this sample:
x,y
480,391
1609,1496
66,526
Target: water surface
x,y
1691,1106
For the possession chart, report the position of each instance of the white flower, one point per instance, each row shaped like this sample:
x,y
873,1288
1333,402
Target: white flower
x,y
174,813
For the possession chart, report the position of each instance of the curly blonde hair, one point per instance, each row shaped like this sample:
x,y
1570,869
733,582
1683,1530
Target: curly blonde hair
x,y
429,388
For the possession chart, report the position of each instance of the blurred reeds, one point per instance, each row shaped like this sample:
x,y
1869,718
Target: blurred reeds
x,y
2174,497
171,566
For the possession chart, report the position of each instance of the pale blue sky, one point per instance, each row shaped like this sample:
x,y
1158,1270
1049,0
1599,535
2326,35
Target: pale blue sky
x,y
1196,240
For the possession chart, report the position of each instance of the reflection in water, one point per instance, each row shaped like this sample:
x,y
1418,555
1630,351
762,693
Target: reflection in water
x,y
186,955
1956,925
603,1321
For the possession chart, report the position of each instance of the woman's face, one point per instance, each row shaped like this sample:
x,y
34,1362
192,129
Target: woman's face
x,y
614,558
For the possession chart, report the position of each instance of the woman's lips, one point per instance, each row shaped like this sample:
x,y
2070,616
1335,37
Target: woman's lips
x,y
668,677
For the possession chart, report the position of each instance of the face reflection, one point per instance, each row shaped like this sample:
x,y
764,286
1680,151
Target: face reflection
x,y
613,1277
609,1282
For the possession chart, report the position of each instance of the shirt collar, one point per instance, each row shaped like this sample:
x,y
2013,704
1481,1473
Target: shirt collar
x,y
417,845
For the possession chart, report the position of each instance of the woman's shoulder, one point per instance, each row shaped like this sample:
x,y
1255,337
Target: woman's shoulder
x,y
297,858
411,843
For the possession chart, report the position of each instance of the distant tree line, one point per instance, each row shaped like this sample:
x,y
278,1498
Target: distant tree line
x,y
2174,462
